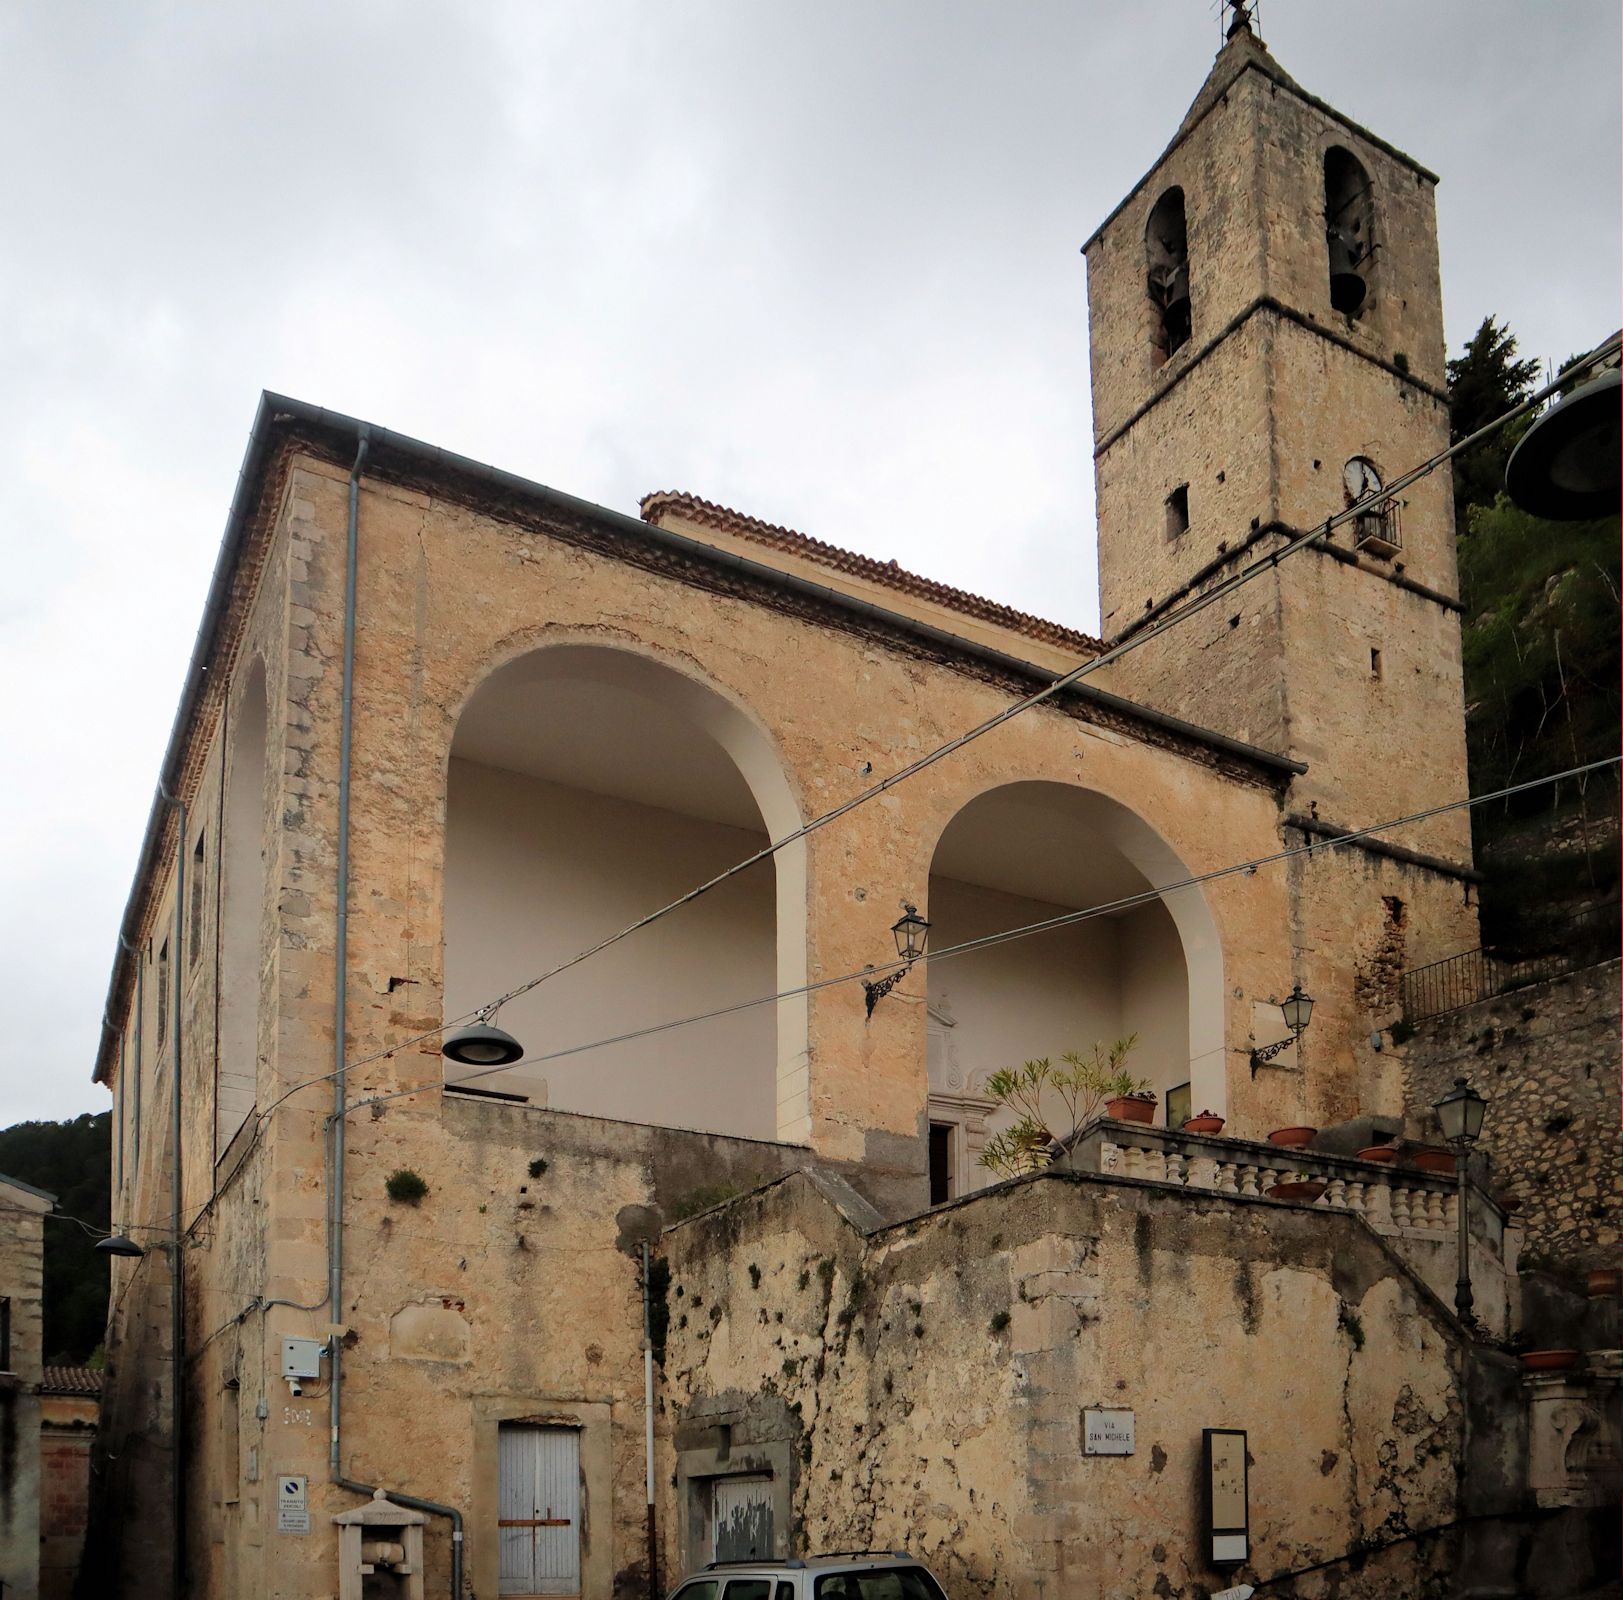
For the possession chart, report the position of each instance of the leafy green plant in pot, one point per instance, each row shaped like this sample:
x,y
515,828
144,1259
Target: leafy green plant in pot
x,y
1052,1104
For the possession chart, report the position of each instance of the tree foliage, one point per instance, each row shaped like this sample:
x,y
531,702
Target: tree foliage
x,y
1043,1097
1540,641
71,1160
1485,381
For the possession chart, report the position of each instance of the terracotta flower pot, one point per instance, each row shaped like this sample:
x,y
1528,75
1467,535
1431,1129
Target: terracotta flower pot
x,y
1604,1281
1429,1158
1130,1108
1304,1189
1204,1123
1549,1360
1292,1138
1383,1153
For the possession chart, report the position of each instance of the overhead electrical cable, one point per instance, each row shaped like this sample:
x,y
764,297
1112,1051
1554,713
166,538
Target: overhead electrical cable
x,y
1154,630
1162,625
1008,935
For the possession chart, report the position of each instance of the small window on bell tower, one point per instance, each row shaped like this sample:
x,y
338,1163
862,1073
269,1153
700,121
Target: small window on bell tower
x,y
1166,265
1348,223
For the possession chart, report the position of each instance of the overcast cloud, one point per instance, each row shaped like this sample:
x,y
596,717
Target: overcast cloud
x,y
818,261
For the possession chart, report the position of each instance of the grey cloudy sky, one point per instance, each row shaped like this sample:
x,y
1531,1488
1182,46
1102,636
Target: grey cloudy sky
x,y
818,261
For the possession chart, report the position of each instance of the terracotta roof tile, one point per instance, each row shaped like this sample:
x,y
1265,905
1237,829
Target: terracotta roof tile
x,y
71,1380
889,573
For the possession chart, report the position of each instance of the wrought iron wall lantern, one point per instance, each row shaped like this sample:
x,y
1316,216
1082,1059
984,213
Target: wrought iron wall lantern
x,y
1297,1009
912,933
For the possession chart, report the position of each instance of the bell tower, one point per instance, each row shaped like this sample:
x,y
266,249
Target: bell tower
x,y
1267,341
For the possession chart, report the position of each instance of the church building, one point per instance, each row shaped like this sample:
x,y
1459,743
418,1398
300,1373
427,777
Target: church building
x,y
589,1247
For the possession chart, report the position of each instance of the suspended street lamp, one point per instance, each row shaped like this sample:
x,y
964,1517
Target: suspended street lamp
x,y
481,1044
1567,465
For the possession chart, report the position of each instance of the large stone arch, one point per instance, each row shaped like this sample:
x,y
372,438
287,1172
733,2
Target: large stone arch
x,y
1015,852
644,738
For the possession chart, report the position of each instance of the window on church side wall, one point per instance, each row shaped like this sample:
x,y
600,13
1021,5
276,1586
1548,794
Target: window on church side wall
x,y
1348,230
1166,266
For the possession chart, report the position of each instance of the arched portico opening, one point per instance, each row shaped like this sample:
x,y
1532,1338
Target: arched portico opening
x,y
1029,851
588,786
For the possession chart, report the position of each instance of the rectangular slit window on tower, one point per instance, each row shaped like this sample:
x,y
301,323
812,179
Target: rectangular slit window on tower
x,y
1178,512
194,933
1375,663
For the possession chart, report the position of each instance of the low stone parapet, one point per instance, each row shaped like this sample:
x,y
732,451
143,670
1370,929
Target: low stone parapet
x,y
1417,1212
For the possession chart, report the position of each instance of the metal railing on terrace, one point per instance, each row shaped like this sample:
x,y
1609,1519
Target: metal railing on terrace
x,y
1455,982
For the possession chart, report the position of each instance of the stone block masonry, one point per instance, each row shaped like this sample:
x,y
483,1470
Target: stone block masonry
x,y
1547,1058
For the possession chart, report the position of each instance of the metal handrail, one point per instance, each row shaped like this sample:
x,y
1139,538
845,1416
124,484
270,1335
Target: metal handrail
x,y
1472,976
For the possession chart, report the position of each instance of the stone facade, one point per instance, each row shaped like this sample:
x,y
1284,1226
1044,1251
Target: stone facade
x,y
1547,1058
23,1209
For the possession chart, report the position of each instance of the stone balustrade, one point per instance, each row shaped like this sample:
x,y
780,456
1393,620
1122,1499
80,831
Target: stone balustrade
x,y
1418,1212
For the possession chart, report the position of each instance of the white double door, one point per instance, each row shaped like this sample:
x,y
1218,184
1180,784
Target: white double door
x,y
539,1478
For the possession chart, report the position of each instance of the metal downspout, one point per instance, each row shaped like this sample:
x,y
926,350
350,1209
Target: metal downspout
x,y
177,1304
335,1190
336,1122
648,1426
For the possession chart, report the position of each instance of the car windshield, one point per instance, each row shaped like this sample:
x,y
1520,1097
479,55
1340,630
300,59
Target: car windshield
x,y
887,1583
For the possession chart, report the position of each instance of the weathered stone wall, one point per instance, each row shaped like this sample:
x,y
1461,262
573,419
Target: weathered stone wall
x,y
22,1245
1547,1059
67,1430
925,1384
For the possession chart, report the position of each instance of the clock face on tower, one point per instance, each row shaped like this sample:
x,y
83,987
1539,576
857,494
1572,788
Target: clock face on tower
x,y
1361,478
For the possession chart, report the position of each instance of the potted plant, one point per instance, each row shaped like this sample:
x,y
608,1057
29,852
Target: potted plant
x,y
1206,1122
1036,1090
1130,1099
1296,1186
1548,1360
1603,1281
1433,1158
1384,1154
1292,1138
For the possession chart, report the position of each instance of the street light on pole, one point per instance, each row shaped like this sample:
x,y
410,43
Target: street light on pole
x,y
1460,1113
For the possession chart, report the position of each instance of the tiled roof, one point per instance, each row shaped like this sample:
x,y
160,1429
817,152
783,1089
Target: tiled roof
x,y
725,520
71,1380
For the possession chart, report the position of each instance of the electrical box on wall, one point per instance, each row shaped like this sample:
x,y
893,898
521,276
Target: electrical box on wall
x,y
301,1358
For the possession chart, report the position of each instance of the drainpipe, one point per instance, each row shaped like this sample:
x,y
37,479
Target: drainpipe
x,y
177,1307
648,1426
336,1123
335,1193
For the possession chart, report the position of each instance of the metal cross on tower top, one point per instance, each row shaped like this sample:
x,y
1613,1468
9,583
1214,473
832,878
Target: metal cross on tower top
x,y
1234,15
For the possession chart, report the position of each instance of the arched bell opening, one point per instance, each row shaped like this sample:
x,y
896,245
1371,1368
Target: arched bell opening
x,y
1031,852
1166,267
1349,226
588,786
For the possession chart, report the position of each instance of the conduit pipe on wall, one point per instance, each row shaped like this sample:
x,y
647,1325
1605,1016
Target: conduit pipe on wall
x,y
336,1123
648,1425
177,1305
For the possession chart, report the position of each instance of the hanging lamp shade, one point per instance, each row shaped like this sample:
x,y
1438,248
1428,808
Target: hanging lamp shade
x,y
118,1244
1567,466
481,1044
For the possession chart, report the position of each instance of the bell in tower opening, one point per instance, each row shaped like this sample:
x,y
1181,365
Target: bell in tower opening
x,y
1347,229
1166,255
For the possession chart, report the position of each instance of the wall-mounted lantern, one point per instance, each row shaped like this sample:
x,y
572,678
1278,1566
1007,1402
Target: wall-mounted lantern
x,y
912,933
1297,1010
